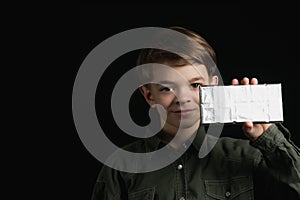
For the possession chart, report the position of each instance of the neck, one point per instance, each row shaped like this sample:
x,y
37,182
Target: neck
x,y
169,133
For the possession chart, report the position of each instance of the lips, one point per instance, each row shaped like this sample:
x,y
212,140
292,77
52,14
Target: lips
x,y
184,112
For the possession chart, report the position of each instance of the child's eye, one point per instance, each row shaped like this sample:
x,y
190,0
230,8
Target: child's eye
x,y
166,89
196,85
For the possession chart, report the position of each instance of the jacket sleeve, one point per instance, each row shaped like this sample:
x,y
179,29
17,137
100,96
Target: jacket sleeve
x,y
280,160
109,185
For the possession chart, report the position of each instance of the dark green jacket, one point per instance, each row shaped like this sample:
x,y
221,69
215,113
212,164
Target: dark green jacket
x,y
268,168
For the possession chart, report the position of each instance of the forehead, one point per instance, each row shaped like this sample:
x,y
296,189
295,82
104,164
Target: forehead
x,y
175,73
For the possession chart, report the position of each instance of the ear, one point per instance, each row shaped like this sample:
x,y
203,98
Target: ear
x,y
214,80
146,92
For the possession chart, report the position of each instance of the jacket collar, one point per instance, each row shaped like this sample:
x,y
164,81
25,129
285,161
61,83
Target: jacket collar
x,y
153,143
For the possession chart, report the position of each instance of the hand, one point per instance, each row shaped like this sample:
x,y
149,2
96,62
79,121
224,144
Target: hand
x,y
251,130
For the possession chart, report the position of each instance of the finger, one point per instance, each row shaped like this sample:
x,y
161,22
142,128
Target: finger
x,y
234,81
247,126
254,81
245,81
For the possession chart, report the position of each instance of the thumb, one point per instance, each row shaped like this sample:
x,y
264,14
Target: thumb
x,y
247,126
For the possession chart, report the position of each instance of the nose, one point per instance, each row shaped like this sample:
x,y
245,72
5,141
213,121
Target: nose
x,y
183,96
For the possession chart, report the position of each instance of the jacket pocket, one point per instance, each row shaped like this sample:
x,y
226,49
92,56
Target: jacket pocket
x,y
235,188
145,194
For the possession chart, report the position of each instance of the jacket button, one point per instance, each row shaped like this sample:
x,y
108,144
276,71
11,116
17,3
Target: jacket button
x,y
179,167
227,194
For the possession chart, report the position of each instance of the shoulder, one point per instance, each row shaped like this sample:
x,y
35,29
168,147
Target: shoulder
x,y
131,158
236,149
138,146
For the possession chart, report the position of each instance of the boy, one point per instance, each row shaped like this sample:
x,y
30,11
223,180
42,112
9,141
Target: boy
x,y
267,166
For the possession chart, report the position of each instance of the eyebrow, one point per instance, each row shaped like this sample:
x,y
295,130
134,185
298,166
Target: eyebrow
x,y
196,79
166,82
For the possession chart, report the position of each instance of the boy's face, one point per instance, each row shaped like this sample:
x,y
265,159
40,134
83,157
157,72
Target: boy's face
x,y
177,91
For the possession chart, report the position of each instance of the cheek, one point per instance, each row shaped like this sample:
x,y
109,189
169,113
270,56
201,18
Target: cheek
x,y
196,97
164,99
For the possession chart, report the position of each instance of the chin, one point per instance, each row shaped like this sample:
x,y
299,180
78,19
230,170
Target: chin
x,y
188,123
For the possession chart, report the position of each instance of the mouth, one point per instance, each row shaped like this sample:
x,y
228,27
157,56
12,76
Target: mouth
x,y
184,112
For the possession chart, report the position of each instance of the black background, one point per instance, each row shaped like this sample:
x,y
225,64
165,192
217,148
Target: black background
x,y
252,40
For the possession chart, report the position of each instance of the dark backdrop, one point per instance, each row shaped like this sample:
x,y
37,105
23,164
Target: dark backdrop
x,y
250,40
